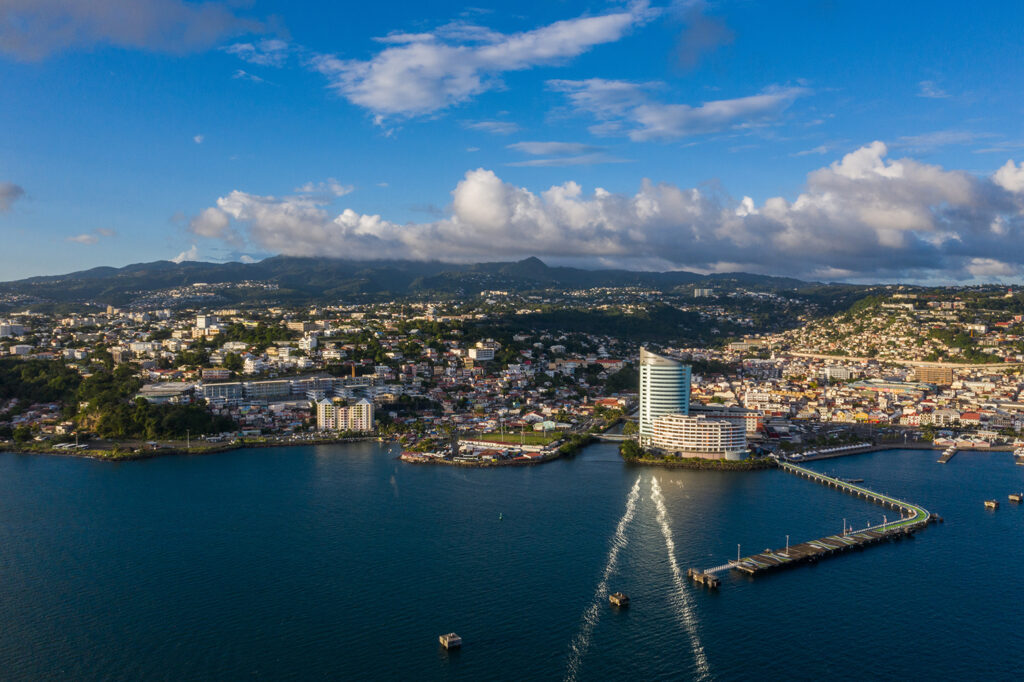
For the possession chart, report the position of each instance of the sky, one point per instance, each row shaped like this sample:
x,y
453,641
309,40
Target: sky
x,y
833,141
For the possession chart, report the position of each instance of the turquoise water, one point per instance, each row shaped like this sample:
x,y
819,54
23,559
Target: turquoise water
x,y
339,562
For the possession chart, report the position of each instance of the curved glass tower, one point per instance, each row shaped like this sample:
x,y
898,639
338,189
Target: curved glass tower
x,y
664,389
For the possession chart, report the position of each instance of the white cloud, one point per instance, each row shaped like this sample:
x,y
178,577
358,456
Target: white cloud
x,y
92,237
552,148
34,29
85,238
494,127
267,52
419,74
864,215
1010,177
624,107
190,254
9,193
329,186
930,90
198,139
243,75
940,138
578,160
820,149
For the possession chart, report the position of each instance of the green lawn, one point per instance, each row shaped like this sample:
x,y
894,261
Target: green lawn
x,y
527,438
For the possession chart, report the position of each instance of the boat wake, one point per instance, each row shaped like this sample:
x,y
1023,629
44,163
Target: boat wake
x,y
680,598
581,642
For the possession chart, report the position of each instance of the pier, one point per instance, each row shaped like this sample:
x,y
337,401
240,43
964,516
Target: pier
x,y
947,455
912,518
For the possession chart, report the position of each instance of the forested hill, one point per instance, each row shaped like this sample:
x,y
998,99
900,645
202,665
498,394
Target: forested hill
x,y
291,279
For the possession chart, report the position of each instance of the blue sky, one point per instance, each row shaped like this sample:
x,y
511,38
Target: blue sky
x,y
867,141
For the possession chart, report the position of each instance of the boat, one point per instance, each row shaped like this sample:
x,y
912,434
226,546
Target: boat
x,y
450,641
501,517
618,599
991,504
1017,497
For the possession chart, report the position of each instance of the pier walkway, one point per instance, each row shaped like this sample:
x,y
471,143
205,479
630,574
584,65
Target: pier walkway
x,y
912,518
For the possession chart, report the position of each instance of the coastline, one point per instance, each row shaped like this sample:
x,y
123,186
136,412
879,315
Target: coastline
x,y
699,463
111,455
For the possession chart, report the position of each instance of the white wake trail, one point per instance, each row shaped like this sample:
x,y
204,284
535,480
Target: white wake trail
x,y
681,598
581,642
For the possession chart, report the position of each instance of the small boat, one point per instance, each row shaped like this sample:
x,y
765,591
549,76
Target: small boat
x,y
1017,497
501,517
991,504
618,599
450,641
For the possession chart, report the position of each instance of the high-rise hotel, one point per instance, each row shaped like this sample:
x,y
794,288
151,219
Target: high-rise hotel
x,y
665,423
664,389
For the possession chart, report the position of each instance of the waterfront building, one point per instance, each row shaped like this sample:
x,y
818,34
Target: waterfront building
x,y
664,389
698,437
334,415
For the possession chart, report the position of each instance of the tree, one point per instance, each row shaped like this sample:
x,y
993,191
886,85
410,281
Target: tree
x,y
234,362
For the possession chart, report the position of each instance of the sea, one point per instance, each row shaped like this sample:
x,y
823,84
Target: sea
x,y
342,563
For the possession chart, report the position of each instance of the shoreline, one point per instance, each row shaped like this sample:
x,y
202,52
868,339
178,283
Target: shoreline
x,y
109,455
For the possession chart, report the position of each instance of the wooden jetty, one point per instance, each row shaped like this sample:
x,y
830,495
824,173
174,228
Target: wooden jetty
x,y
947,455
912,518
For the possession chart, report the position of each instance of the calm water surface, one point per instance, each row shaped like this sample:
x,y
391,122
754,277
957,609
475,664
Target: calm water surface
x,y
340,562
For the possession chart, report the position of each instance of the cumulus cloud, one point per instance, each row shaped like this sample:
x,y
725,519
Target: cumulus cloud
x,y
627,108
864,216
198,139
9,193
93,237
267,52
34,29
190,254
417,74
1010,177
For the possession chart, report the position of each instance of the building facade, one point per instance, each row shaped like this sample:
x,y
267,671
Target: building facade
x,y
699,437
332,415
664,389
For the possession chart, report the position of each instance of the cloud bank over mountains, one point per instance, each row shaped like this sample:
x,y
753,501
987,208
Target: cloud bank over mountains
x,y
863,217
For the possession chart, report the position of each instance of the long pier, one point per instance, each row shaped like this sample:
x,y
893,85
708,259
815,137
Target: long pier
x,y
912,518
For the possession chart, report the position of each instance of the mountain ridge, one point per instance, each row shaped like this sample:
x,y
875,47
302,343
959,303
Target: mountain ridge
x,y
312,278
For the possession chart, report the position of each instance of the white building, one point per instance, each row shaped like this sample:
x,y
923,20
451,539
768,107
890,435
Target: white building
x,y
331,415
698,437
664,389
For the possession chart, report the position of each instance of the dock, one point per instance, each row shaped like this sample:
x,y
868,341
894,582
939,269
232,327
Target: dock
x,y
912,518
947,455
